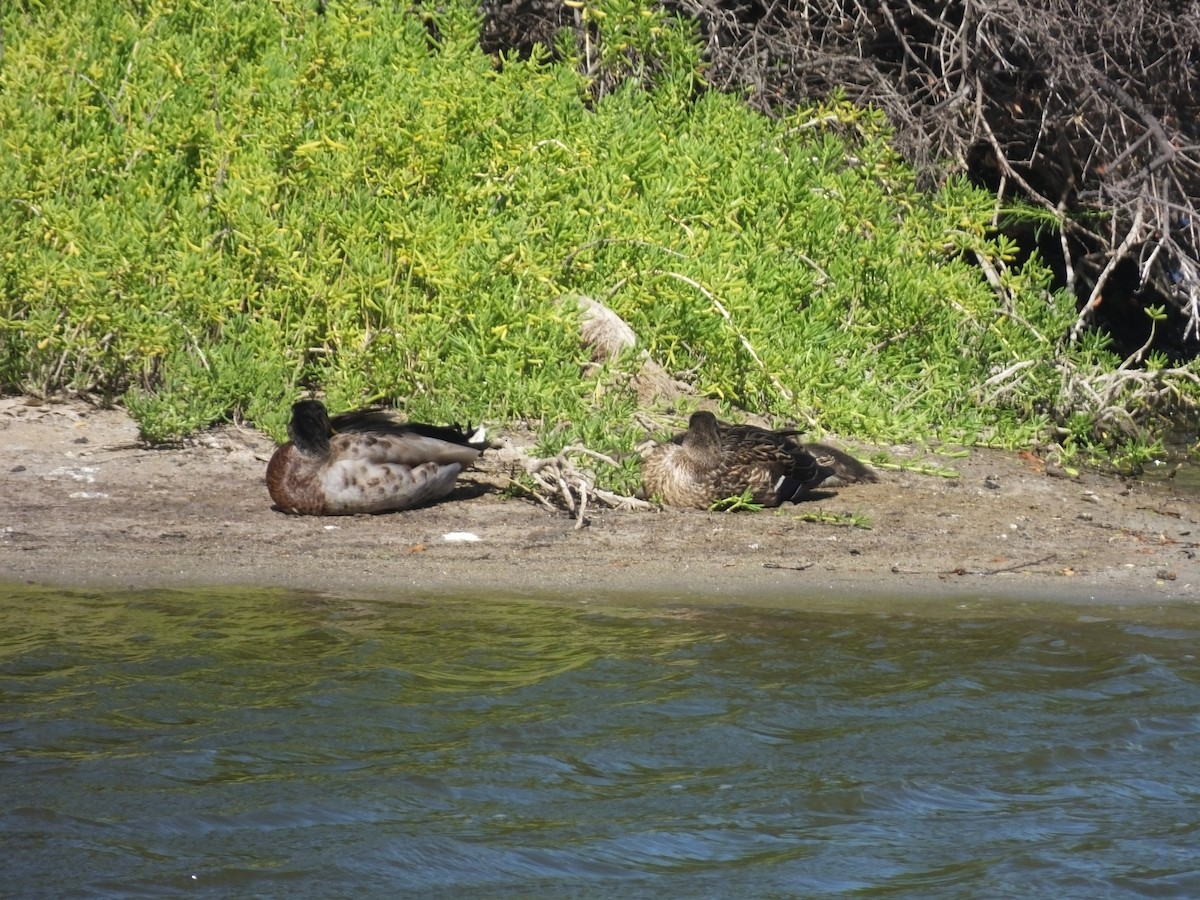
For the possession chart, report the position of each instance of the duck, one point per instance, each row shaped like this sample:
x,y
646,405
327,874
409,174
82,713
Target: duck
x,y
365,461
714,460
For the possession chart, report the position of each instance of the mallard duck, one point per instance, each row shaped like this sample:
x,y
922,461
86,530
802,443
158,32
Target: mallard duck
x,y
714,460
364,461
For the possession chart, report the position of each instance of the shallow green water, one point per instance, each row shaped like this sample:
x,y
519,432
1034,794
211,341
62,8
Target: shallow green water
x,y
272,744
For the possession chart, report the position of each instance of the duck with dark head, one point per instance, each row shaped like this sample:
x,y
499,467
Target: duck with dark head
x,y
714,460
365,461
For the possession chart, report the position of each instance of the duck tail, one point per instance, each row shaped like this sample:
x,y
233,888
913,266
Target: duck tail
x,y
451,434
841,464
797,484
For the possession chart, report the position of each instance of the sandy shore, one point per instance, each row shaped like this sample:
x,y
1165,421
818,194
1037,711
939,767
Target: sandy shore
x,y
84,504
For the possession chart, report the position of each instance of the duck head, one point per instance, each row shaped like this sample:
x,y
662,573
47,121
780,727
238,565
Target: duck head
x,y
310,428
702,442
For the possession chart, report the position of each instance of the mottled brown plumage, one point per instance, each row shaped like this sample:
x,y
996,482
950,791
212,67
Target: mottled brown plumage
x,y
714,460
364,462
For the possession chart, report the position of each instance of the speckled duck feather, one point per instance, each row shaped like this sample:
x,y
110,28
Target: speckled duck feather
x,y
364,461
714,460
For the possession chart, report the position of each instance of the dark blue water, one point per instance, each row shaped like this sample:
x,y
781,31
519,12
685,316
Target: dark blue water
x,y
272,744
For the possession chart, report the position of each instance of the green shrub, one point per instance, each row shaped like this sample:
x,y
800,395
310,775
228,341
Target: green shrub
x,y
210,207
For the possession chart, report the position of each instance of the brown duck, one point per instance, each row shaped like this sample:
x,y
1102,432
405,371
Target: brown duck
x,y
364,461
714,460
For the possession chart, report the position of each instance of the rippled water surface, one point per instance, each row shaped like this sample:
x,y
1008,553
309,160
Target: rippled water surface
x,y
272,744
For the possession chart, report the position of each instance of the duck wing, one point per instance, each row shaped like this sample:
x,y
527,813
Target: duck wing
x,y
375,472
773,465
407,448
381,421
352,486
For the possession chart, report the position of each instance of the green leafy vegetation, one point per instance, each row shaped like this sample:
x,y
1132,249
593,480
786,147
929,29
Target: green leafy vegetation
x,y
743,502
209,208
843,520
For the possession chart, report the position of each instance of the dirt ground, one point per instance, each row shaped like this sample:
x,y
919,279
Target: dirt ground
x,y
84,504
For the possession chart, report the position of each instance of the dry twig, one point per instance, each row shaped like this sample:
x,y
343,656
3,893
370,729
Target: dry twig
x,y
561,484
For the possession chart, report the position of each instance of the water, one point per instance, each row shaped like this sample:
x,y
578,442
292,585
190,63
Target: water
x,y
272,744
